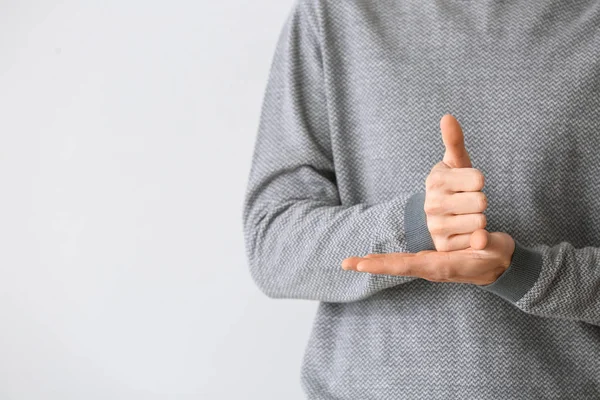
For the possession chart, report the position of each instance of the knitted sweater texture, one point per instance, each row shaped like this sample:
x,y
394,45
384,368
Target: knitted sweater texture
x,y
349,130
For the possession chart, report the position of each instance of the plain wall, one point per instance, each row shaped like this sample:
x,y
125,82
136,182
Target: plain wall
x,y
127,129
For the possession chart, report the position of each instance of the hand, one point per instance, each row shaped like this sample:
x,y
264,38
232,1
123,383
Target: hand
x,y
454,203
488,257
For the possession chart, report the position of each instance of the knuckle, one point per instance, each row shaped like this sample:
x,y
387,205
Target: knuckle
x,y
478,179
449,271
434,181
435,228
434,206
443,206
444,272
429,181
442,244
482,201
428,207
491,277
480,220
432,274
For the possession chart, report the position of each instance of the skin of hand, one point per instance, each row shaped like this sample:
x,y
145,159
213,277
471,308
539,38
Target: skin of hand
x,y
454,203
489,254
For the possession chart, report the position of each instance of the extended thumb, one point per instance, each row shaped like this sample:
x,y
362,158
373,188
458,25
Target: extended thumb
x,y
456,155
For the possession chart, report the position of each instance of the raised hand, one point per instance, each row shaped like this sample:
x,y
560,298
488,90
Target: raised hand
x,y
454,203
466,253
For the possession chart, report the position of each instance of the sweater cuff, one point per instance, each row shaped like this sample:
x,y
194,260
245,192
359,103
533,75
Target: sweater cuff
x,y
416,231
520,276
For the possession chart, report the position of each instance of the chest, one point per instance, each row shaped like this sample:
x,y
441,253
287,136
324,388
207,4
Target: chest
x,y
525,90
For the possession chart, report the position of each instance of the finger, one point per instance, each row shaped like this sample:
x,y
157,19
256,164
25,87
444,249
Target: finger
x,y
480,239
350,263
435,266
456,242
462,266
446,225
390,263
456,155
445,266
462,180
430,265
465,203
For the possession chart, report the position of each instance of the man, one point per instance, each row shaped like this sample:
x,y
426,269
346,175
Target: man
x,y
357,200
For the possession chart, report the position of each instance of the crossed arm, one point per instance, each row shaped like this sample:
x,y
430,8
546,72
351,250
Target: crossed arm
x,y
303,243
557,281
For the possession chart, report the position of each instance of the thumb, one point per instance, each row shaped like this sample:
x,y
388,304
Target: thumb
x,y
456,155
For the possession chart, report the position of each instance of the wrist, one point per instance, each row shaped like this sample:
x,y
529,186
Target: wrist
x,y
417,233
509,254
522,273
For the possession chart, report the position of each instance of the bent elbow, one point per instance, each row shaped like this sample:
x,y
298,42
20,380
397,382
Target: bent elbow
x,y
261,268
264,281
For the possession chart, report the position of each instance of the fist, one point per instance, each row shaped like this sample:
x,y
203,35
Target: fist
x,y
454,203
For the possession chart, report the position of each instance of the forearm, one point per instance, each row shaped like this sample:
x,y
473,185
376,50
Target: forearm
x,y
557,281
297,231
296,247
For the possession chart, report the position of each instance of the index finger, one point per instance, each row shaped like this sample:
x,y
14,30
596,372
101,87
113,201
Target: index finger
x,y
464,180
435,266
405,264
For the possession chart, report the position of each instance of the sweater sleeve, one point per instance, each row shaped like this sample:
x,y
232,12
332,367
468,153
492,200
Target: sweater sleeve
x,y
558,281
296,230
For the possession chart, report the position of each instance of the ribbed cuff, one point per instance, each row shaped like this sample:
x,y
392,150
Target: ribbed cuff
x,y
416,231
520,276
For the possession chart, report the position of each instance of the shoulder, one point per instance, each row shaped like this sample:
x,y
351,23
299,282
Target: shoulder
x,y
322,14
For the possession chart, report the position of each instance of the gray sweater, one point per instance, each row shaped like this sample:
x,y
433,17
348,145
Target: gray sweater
x,y
349,131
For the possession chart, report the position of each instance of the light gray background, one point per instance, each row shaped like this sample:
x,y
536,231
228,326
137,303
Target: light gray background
x,y
127,129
